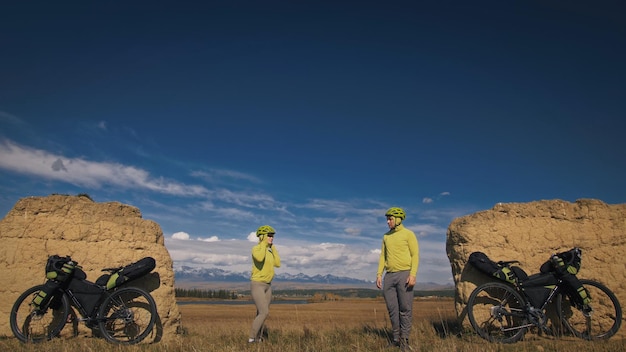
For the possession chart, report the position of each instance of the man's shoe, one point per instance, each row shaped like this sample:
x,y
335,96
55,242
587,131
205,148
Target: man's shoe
x,y
405,346
393,344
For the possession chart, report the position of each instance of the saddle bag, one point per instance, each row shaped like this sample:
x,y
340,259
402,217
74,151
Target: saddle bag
x,y
481,261
127,273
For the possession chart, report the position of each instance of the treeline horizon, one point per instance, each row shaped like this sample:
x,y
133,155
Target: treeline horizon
x,y
295,293
201,293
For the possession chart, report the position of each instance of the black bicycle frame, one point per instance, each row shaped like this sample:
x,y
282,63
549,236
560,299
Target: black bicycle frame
x,y
84,316
553,293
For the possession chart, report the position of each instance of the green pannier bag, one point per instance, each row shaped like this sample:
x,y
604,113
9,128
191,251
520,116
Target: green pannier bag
x,y
43,296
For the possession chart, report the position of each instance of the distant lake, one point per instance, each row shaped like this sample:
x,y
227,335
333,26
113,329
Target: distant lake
x,y
238,302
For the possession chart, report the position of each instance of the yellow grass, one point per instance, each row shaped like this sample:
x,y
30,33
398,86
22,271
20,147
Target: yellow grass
x,y
347,325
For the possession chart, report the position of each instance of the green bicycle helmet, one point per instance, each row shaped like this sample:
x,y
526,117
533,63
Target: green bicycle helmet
x,y
265,230
396,213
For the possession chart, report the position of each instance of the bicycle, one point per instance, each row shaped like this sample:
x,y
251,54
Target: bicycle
x,y
503,312
121,314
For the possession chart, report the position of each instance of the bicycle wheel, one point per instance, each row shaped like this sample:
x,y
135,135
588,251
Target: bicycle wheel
x,y
36,325
497,312
127,316
602,322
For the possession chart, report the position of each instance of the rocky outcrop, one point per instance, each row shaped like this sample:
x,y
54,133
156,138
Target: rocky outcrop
x,y
531,232
97,236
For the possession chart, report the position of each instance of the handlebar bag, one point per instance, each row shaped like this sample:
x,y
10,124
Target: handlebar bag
x,y
564,262
59,268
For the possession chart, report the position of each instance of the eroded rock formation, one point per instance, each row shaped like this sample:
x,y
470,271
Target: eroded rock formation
x,y
531,232
97,236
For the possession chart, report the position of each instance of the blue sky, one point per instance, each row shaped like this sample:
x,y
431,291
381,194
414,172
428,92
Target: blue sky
x,y
314,117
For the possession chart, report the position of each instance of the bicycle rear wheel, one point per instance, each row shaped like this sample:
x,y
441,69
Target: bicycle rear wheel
x,y
496,312
36,325
601,322
127,316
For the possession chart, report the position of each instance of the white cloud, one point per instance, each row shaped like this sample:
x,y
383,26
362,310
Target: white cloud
x,y
226,212
180,236
246,199
86,173
353,231
209,239
252,237
429,200
422,230
216,175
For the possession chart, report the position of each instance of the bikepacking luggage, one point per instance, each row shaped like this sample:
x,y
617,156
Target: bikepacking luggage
x,y
537,288
44,295
568,261
481,261
566,265
127,273
59,268
87,293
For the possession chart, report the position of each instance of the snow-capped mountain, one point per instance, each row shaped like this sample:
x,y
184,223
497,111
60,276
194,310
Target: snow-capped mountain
x,y
186,273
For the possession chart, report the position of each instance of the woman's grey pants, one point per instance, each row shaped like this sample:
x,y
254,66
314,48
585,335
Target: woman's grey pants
x,y
399,299
262,296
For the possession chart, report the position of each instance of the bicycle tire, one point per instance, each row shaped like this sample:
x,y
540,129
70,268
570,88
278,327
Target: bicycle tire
x,y
31,325
497,312
605,318
127,316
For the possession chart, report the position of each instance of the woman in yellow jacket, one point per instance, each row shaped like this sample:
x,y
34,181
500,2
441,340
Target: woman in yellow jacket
x,y
264,259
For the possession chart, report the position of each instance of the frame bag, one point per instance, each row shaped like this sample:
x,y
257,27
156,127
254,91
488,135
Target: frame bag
x,y
538,287
87,293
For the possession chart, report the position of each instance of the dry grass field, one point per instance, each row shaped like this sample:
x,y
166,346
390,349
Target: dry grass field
x,y
346,325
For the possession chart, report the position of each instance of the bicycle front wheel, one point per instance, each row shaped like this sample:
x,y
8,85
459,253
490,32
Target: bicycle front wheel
x,y
127,316
496,312
601,320
36,325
